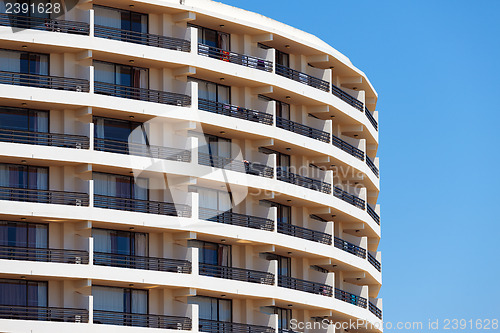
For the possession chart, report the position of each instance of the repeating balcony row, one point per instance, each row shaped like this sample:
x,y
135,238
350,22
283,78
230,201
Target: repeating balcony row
x,y
82,28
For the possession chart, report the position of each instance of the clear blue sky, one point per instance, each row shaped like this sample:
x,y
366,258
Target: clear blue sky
x,y
435,65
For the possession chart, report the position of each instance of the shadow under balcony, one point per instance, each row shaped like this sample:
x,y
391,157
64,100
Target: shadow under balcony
x,y
141,262
235,111
350,298
44,196
44,81
242,220
301,129
44,255
45,24
310,183
44,313
226,163
142,206
235,58
306,286
141,320
238,274
44,139
214,326
304,233
302,78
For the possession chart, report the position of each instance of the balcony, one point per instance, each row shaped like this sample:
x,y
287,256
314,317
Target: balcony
x,y
142,320
142,94
44,196
238,274
45,24
44,313
235,165
304,233
303,285
235,58
302,78
213,326
241,220
140,262
348,148
371,211
301,129
347,98
142,206
349,198
372,166
44,139
350,298
374,262
235,111
128,36
44,255
44,81
310,183
375,310
371,118
349,247
136,149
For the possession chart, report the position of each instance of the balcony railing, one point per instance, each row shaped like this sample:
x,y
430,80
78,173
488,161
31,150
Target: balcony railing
x,y
44,139
235,111
375,310
235,165
164,42
371,211
142,94
347,98
310,183
44,81
46,24
350,298
348,148
141,320
241,220
349,247
44,196
374,262
235,58
372,166
349,198
302,77
137,149
44,313
304,233
213,326
371,118
142,206
303,285
301,129
44,255
141,262
239,274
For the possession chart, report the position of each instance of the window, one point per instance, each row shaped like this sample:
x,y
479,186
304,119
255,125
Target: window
x,y
24,119
122,75
282,110
282,58
284,317
213,253
219,201
24,62
213,92
123,300
284,266
213,38
121,19
22,234
282,160
119,130
120,242
211,308
120,186
23,293
24,177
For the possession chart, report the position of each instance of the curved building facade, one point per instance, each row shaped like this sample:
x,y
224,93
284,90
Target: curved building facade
x,y
183,165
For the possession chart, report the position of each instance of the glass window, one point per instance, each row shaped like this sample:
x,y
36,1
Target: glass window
x,y
214,199
23,293
123,300
120,130
121,19
282,110
24,62
120,186
120,242
213,91
123,75
213,253
22,234
284,266
24,119
21,176
211,308
284,317
282,58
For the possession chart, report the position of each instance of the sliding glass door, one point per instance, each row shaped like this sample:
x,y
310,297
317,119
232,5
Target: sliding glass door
x,y
121,24
121,248
120,306
213,309
120,136
22,293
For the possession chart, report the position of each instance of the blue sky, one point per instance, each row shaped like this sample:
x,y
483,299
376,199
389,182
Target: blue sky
x,y
436,67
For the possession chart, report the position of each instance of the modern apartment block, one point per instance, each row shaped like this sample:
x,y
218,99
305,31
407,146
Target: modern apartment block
x,y
182,165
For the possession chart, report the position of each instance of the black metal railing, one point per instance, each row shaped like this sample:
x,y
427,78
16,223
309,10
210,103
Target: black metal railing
x,y
371,211
241,220
303,285
348,148
44,313
235,111
301,129
235,58
142,94
141,262
141,320
302,77
137,149
235,165
44,255
44,196
304,233
372,166
375,310
239,274
374,262
310,183
213,326
46,24
350,298
347,197
129,36
44,139
142,206
347,98
370,117
44,81
350,247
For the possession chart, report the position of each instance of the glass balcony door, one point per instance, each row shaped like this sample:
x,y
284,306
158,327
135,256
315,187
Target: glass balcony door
x,y
284,317
25,63
24,177
122,247
127,25
23,293
17,119
120,305
211,308
282,58
120,136
124,80
213,92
